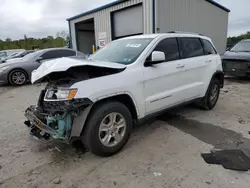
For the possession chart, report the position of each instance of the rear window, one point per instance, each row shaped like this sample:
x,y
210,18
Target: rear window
x,y
66,53
58,53
191,47
208,47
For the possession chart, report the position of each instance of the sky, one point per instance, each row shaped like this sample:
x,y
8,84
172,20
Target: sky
x,y
40,18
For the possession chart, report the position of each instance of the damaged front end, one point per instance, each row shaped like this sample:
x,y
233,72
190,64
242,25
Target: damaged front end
x,y
54,114
58,113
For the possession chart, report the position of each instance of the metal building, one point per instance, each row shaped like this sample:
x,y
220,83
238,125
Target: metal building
x,y
132,17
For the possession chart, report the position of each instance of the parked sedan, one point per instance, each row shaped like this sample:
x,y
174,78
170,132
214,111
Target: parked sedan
x,y
7,53
236,61
17,55
18,71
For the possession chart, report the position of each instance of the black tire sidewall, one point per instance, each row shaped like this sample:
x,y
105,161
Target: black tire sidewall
x,y
91,132
11,74
209,103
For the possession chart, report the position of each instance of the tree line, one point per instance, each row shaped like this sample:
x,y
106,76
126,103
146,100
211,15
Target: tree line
x,y
60,40
231,41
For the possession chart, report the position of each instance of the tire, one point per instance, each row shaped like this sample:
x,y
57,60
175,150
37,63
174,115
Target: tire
x,y
210,100
18,77
98,130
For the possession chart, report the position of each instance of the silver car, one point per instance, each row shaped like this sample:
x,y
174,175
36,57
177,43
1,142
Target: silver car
x,y
7,53
18,71
16,55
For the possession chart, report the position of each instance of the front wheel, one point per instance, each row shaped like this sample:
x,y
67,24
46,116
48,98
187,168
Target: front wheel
x,y
108,128
212,95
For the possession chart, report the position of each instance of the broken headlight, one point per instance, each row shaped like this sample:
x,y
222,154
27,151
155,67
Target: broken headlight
x,y
60,94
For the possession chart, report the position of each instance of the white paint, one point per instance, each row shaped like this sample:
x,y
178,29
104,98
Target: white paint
x,y
158,56
152,88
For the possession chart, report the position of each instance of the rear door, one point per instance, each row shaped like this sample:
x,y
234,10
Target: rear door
x,y
196,65
212,61
164,82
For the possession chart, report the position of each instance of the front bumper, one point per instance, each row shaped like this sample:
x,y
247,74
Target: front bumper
x,y
237,73
67,105
234,67
3,78
56,118
30,114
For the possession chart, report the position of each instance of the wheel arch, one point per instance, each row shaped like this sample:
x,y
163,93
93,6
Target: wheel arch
x,y
80,121
220,76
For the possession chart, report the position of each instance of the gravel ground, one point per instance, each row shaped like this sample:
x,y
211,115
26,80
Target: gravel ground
x,y
163,153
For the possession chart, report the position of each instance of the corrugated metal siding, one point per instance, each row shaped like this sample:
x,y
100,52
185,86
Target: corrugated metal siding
x,y
214,24
193,16
103,21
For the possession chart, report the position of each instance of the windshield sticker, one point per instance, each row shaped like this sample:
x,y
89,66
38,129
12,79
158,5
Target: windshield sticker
x,y
127,60
133,45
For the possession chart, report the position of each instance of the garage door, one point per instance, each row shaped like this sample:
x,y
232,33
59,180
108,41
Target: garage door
x,y
128,21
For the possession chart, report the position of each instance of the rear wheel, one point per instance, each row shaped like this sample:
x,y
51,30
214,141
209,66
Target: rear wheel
x,y
212,95
108,129
18,77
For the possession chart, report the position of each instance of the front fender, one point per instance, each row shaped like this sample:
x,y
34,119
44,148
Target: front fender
x,y
79,122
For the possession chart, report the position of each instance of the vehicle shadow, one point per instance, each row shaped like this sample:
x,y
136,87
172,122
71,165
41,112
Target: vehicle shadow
x,y
217,136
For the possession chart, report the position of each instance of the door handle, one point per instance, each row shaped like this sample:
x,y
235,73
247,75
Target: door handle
x,y
180,66
208,61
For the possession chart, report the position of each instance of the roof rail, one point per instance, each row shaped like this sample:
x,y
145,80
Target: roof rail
x,y
184,32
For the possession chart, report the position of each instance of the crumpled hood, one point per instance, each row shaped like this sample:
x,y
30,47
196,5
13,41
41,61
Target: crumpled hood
x,y
236,55
63,64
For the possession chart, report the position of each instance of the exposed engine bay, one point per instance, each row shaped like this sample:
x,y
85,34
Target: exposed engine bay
x,y
54,114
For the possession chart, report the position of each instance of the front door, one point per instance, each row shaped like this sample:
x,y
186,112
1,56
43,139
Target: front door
x,y
164,82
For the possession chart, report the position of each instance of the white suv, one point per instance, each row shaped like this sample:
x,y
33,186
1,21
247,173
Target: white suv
x,y
98,100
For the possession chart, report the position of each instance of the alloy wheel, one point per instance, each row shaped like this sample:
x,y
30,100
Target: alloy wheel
x,y
18,78
112,129
214,93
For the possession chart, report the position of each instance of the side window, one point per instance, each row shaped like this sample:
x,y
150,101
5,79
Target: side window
x,y
208,48
49,55
58,53
191,47
170,47
65,53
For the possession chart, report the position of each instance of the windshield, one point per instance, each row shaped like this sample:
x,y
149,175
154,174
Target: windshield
x,y
31,55
14,54
243,46
122,51
3,54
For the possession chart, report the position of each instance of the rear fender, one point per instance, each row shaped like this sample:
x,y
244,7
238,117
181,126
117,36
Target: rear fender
x,y
220,76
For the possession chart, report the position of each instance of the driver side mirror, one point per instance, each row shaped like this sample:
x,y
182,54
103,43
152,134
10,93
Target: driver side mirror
x,y
39,59
156,57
